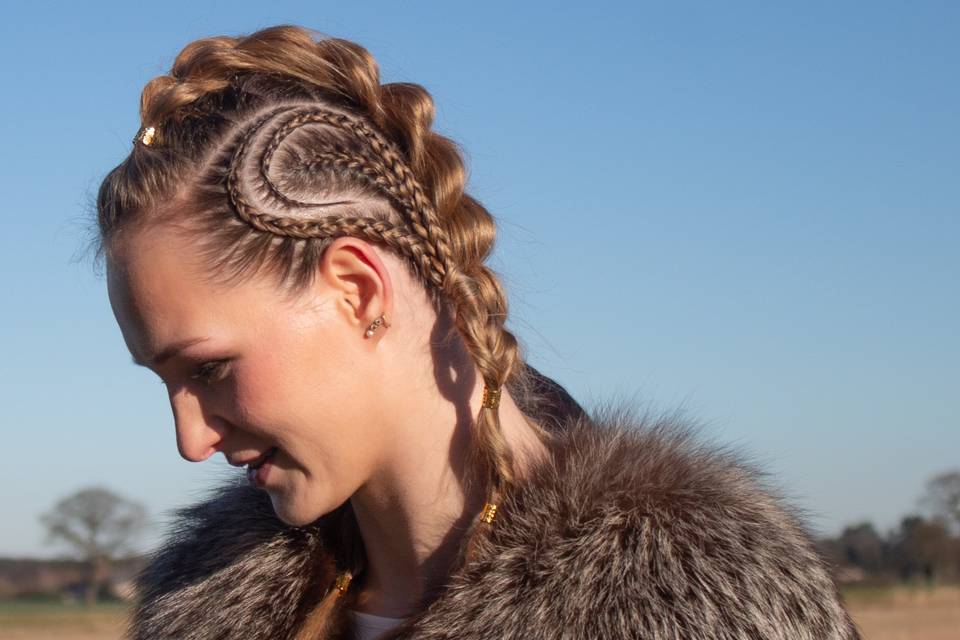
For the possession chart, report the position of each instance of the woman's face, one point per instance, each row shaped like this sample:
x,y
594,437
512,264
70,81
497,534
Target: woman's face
x,y
253,373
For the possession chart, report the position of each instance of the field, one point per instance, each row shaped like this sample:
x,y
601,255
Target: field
x,y
906,613
46,621
889,614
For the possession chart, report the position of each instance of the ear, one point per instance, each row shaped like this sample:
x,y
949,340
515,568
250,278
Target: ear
x,y
352,268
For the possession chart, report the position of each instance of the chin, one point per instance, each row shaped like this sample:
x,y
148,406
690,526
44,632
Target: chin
x,y
298,513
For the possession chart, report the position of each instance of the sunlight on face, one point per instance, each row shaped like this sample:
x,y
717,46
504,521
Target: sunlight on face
x,y
249,371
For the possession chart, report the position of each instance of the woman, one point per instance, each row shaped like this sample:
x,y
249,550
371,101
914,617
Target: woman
x,y
290,249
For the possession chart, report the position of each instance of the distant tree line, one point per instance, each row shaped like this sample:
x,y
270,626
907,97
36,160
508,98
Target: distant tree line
x,y
925,547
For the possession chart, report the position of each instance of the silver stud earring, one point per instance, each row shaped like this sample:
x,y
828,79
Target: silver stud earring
x,y
375,325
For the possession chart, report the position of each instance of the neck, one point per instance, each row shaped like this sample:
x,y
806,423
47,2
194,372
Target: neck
x,y
414,511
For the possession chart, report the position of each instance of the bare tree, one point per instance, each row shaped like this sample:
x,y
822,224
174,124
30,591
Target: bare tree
x,y
942,497
924,549
100,526
863,547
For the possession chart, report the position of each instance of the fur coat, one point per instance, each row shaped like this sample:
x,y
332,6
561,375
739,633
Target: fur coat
x,y
632,529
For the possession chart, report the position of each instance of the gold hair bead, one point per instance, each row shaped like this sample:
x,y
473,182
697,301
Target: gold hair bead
x,y
489,512
146,135
491,397
343,582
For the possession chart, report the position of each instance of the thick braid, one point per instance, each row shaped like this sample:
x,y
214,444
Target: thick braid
x,y
492,350
472,287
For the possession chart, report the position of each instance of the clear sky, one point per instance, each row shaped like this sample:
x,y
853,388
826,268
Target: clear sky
x,y
745,210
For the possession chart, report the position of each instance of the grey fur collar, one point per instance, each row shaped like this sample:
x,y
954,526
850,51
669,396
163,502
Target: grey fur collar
x,y
633,529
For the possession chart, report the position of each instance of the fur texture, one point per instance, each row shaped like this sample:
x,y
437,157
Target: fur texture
x,y
633,529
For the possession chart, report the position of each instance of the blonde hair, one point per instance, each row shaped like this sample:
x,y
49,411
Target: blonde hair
x,y
247,129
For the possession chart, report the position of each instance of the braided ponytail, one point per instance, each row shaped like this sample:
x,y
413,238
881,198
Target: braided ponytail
x,y
248,128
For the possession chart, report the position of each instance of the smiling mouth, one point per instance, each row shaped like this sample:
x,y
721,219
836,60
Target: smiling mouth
x,y
256,474
256,464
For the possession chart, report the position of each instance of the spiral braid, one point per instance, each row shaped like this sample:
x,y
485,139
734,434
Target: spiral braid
x,y
404,188
424,255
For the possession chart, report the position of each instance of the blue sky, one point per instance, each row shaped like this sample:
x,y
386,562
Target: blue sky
x,y
748,211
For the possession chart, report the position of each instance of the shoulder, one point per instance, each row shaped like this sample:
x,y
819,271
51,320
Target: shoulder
x,y
636,527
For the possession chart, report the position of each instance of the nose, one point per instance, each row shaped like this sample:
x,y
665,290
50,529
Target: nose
x,y
198,436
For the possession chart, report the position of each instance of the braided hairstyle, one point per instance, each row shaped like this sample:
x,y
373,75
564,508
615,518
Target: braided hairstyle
x,y
280,142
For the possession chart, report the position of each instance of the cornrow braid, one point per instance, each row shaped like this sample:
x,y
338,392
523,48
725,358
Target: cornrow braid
x,y
384,167
404,189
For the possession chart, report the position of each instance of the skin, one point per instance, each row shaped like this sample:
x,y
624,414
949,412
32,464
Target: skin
x,y
382,421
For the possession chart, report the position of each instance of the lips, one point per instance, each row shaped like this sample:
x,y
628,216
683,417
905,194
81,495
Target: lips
x,y
256,464
253,467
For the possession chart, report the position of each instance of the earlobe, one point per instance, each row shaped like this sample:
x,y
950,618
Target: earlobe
x,y
354,269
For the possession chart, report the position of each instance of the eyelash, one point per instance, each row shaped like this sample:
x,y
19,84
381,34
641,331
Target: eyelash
x,y
210,372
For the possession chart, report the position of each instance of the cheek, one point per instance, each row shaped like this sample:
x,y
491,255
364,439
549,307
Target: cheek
x,y
278,382
249,391
322,373
310,411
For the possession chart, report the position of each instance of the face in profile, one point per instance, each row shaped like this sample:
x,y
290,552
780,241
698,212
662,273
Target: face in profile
x,y
277,383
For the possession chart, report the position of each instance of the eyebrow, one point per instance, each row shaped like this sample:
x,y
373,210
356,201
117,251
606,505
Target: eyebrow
x,y
167,352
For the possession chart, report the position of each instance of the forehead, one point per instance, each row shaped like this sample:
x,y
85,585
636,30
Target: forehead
x,y
159,292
